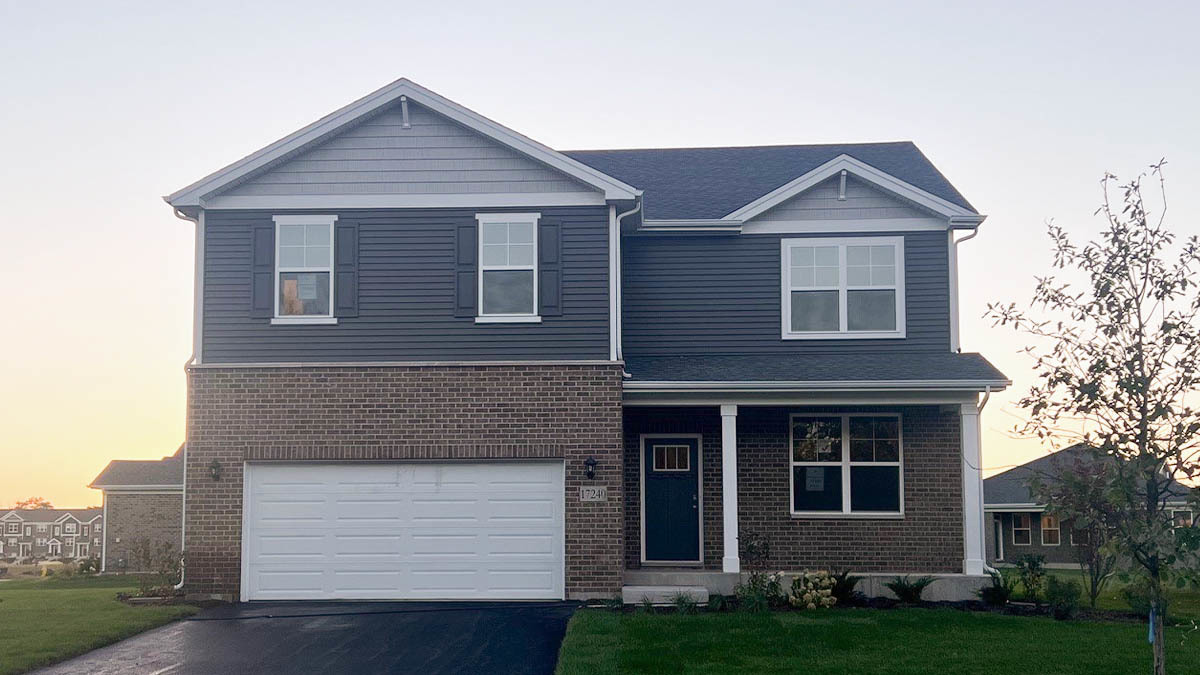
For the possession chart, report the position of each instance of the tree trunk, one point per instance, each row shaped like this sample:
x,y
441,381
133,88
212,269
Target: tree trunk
x,y
1160,644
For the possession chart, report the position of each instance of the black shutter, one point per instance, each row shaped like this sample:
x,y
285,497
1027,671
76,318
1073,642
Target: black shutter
x,y
464,270
345,245
262,271
550,268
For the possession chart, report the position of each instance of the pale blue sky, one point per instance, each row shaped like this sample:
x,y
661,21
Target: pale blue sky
x,y
107,106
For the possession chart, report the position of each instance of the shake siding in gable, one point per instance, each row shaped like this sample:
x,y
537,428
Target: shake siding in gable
x,y
721,295
433,156
406,295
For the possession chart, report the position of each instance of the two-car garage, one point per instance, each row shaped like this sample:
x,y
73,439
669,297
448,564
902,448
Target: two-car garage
x,y
446,531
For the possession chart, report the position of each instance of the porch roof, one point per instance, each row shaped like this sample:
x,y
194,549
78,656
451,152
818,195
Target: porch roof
x,y
917,370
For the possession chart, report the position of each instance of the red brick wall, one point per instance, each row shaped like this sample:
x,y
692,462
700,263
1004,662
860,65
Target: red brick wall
x,y
133,516
927,539
402,413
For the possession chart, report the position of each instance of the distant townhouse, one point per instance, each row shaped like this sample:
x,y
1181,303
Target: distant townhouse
x,y
51,534
143,500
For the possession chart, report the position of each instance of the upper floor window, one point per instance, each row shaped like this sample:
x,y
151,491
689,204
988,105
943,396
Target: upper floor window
x,y
508,266
14,528
843,288
304,266
70,528
28,530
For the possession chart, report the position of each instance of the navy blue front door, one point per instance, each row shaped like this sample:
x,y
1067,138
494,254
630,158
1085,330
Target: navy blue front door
x,y
671,467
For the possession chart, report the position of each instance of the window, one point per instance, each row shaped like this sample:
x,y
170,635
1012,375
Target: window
x,y
83,529
508,265
81,550
1022,529
57,530
1080,537
14,528
70,528
1181,519
1051,534
672,458
42,527
12,541
28,530
41,541
97,528
846,464
843,288
304,267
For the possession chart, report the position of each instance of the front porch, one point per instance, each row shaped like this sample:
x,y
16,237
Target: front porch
x,y
699,476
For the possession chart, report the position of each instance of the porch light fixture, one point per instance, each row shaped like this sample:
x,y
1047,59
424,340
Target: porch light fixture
x,y
589,468
214,470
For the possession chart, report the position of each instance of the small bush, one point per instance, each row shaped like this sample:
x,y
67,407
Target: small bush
x,y
717,603
1139,597
647,605
909,590
684,602
160,564
1063,597
759,591
1032,571
999,592
616,603
89,565
812,590
843,587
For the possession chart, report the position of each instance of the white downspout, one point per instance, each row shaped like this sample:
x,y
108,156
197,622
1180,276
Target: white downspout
x,y
183,504
196,357
955,344
620,328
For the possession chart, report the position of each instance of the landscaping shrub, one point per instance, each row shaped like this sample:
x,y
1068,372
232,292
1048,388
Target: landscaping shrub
x,y
812,590
999,592
684,602
909,590
89,565
1032,571
616,603
717,603
1063,597
759,591
161,565
843,587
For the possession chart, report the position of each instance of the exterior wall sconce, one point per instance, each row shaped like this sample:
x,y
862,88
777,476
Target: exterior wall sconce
x,y
589,468
214,470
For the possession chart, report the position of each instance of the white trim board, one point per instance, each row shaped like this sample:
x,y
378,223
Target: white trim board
x,y
397,201
859,169
196,193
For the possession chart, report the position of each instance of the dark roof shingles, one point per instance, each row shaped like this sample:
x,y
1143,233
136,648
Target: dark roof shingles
x,y
812,368
1012,486
166,471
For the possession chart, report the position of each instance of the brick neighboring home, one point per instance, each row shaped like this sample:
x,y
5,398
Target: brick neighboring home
x,y
436,359
143,499
50,534
1018,525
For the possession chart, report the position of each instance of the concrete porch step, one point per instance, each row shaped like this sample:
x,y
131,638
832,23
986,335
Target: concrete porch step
x,y
713,580
662,595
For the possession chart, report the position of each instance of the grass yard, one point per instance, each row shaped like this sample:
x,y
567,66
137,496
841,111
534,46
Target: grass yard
x,y
844,641
1185,602
43,621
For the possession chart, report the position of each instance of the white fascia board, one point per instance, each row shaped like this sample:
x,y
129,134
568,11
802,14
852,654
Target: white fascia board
x,y
398,201
843,226
831,385
861,170
692,225
1014,508
195,194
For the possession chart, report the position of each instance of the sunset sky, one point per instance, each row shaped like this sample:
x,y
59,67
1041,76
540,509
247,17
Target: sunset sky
x,y
108,106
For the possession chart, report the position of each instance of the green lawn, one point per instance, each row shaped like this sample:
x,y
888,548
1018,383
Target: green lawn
x,y
1185,602
865,641
47,620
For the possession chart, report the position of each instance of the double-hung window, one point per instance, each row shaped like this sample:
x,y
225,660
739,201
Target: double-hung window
x,y
14,528
1051,532
843,288
1022,529
304,269
846,465
508,284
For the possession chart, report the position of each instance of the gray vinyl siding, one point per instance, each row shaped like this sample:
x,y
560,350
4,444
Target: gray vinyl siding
x,y
434,156
406,295
721,295
821,203
1064,553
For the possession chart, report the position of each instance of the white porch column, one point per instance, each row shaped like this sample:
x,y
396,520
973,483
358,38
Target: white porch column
x,y
972,477
729,488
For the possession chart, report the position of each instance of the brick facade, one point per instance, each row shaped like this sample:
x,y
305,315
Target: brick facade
x,y
390,413
133,516
929,538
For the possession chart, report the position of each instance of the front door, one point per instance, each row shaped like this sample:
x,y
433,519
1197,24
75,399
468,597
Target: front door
x,y
671,490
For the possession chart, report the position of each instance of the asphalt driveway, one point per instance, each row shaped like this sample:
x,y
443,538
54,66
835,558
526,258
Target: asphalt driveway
x,y
364,637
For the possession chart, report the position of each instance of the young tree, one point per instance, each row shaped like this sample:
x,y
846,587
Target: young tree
x,y
1074,489
34,503
1117,367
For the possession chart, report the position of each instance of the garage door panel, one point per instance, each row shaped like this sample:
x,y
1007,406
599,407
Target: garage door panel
x,y
451,531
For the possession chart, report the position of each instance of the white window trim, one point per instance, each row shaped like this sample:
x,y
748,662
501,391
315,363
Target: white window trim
x,y
14,528
1191,517
1027,529
1044,529
490,218
313,319
845,465
843,333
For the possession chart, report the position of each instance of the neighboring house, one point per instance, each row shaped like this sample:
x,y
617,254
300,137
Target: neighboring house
x,y
1018,525
50,534
143,500
436,359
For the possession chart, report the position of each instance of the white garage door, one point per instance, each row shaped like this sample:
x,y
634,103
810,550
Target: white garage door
x,y
403,531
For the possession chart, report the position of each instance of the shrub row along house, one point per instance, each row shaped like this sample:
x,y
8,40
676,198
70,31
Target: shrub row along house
x,y
436,359
143,504
51,534
1019,525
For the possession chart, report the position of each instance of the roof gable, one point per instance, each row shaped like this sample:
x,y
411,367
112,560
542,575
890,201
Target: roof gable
x,y
397,94
842,198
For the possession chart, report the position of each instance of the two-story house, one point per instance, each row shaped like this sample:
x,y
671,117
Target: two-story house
x,y
437,359
50,534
